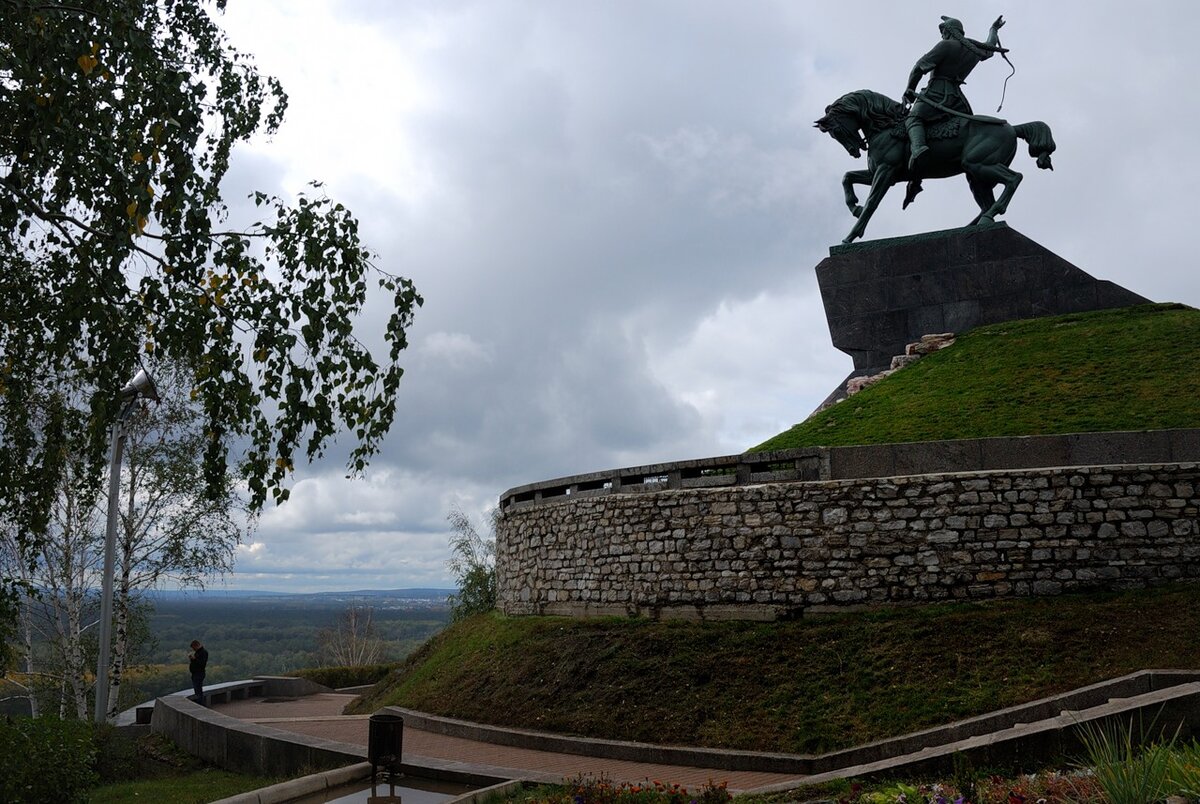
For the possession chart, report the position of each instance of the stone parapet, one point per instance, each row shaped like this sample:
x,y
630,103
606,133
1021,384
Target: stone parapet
x,y
246,747
774,550
870,460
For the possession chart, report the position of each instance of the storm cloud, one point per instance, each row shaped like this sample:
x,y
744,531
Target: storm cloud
x,y
613,210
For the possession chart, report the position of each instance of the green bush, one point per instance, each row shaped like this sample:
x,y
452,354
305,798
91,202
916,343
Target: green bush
x,y
116,755
473,564
337,677
46,760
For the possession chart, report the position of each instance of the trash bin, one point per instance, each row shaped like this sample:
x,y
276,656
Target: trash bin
x,y
385,742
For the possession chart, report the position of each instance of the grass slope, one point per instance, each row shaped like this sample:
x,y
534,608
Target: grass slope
x,y
805,686
1136,368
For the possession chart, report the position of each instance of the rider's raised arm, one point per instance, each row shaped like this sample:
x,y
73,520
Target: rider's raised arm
x,y
984,50
993,39
992,45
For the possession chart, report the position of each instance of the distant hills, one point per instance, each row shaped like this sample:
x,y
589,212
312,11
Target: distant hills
x,y
422,593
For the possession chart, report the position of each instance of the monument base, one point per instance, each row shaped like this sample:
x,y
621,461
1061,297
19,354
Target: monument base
x,y
880,295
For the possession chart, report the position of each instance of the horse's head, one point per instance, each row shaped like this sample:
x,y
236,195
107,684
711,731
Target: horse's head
x,y
842,125
862,110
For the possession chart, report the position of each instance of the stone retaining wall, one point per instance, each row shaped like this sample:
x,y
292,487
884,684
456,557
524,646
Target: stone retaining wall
x,y
783,549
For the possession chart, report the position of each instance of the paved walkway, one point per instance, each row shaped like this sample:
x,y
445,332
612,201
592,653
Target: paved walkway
x,y
321,716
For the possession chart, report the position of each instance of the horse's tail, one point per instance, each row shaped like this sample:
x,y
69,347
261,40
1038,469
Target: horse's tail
x,y
1041,142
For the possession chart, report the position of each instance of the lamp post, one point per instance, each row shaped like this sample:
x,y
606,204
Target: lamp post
x,y
140,386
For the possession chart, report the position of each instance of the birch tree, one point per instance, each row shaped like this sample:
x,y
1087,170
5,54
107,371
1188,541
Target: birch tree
x,y
353,641
117,123
58,604
174,526
473,563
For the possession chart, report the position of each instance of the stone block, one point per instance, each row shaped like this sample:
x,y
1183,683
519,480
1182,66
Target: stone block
x,y
1025,452
935,457
958,316
866,461
1099,449
1185,445
880,295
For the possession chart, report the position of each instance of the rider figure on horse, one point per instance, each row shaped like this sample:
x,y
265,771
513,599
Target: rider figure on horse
x,y
950,62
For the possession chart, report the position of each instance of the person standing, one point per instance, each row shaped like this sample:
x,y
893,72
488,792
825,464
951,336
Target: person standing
x,y
197,662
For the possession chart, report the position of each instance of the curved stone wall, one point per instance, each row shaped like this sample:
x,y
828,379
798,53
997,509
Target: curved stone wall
x,y
778,549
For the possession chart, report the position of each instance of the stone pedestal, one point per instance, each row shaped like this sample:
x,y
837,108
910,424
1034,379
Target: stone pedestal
x,y
883,294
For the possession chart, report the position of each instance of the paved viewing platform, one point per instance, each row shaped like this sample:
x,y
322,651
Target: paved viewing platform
x,y
321,716
292,728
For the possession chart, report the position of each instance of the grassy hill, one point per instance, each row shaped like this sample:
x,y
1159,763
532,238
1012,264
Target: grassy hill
x,y
804,686
1136,368
842,680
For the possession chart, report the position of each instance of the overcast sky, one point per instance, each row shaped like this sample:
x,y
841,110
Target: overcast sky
x,y
613,210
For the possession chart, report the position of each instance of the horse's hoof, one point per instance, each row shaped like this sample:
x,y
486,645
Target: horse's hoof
x,y
856,211
985,220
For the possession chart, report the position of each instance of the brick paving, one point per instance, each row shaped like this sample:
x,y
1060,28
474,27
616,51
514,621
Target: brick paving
x,y
321,716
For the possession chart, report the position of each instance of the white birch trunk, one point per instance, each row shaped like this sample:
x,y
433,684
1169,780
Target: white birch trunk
x,y
27,637
120,632
74,672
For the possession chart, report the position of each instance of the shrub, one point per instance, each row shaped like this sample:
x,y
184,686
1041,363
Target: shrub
x,y
337,677
473,564
46,760
116,755
1127,771
1185,770
601,790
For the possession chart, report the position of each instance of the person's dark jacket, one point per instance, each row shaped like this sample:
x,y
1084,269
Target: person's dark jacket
x,y
199,661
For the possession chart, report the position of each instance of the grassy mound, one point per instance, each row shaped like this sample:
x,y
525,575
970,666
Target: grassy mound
x,y
805,686
1126,369
838,681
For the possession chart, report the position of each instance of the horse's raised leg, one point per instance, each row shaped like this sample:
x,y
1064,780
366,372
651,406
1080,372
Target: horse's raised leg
x,y
881,181
984,194
993,175
852,178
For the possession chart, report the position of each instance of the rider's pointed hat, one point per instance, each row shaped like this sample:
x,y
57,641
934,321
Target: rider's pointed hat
x,y
950,22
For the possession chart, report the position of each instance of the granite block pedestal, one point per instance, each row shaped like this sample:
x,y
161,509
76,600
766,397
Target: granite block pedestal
x,y
880,295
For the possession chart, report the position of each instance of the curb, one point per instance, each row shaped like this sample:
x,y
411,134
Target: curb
x,y
477,796
882,751
304,786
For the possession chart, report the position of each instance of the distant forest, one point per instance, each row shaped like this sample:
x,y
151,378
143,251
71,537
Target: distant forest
x,y
261,636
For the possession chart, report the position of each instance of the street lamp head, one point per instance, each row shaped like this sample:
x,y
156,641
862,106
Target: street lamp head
x,y
140,385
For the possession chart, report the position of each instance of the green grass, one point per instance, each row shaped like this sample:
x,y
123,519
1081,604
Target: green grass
x,y
1126,369
152,768
805,686
193,787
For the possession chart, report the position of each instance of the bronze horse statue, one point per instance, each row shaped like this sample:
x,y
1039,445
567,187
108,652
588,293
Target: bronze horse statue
x,y
981,147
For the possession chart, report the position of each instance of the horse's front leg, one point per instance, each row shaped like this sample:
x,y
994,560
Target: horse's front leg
x,y
881,181
852,178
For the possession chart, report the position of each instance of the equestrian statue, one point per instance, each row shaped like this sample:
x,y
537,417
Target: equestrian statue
x,y
937,136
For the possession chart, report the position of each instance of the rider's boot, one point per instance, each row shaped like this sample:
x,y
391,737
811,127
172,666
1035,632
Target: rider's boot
x,y
916,138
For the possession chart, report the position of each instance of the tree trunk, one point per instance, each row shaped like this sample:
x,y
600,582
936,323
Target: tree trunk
x,y
74,671
121,638
27,638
